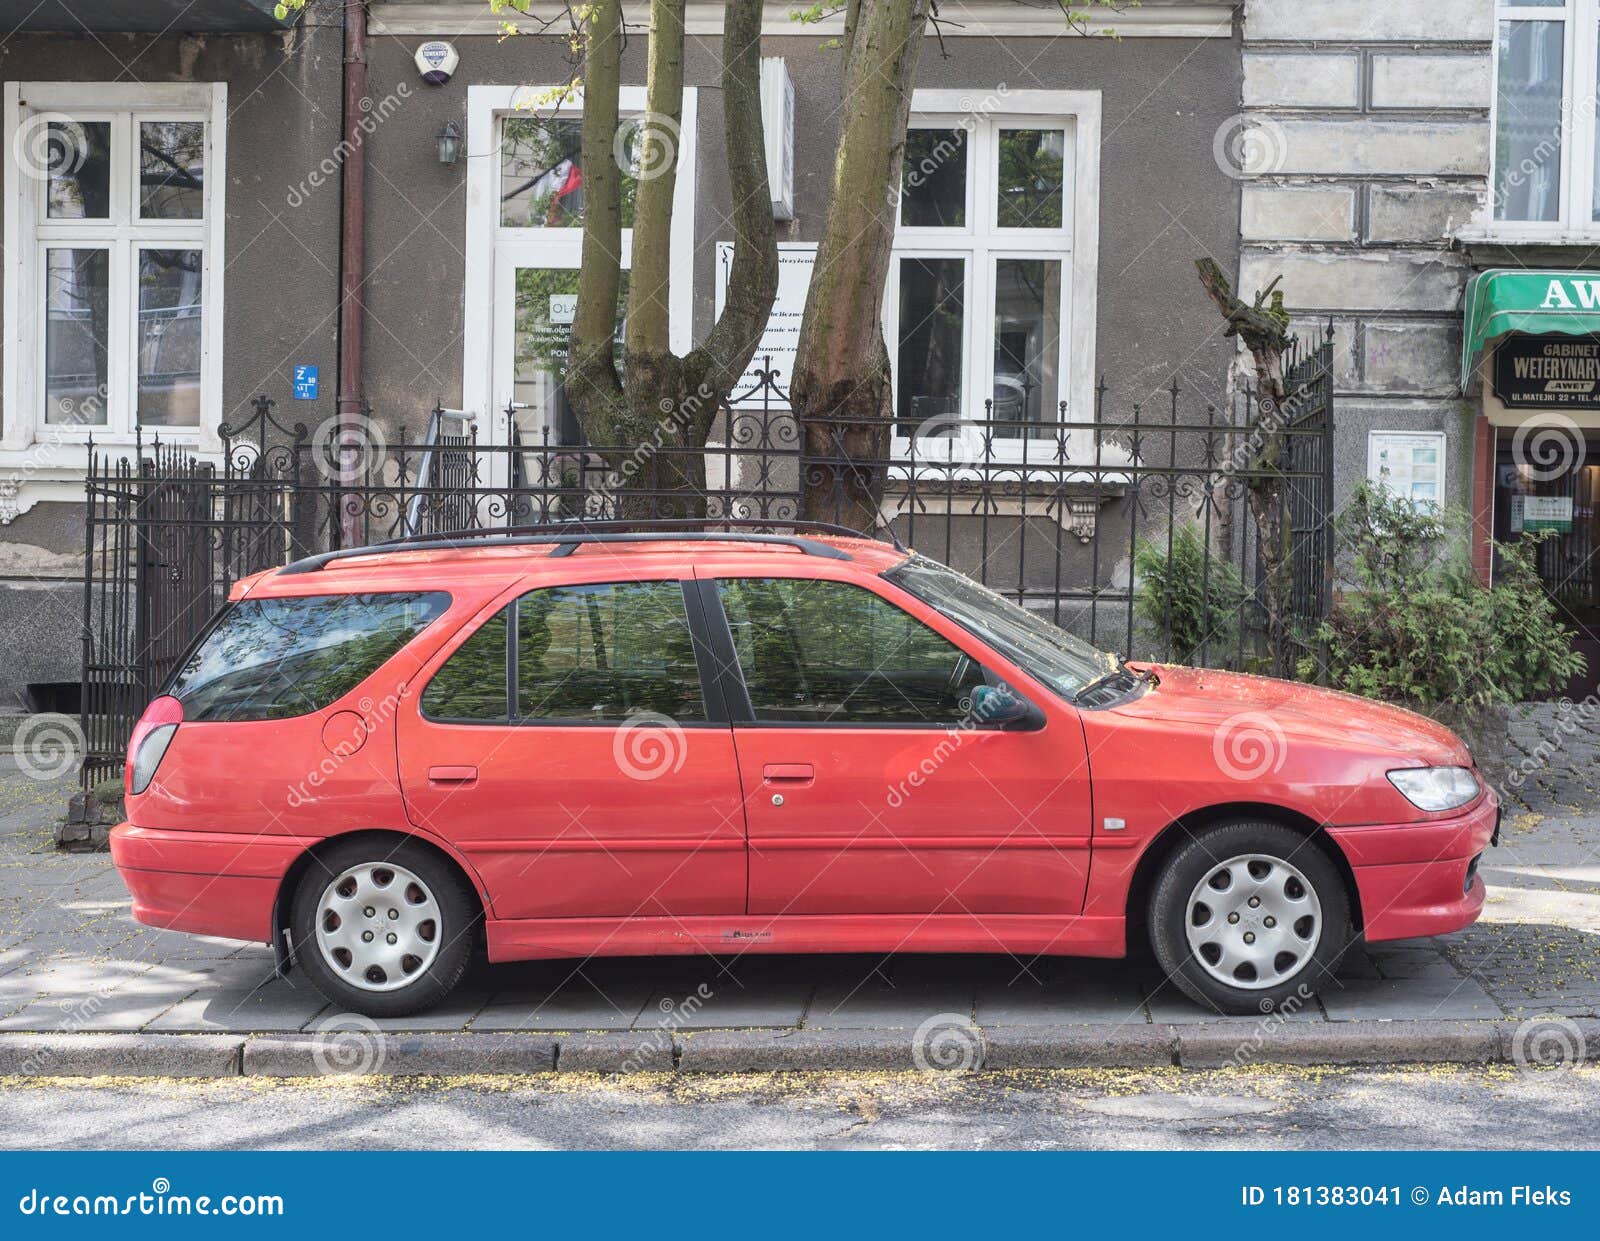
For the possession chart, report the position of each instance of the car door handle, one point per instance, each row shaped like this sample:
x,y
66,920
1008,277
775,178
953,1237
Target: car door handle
x,y
452,775
788,773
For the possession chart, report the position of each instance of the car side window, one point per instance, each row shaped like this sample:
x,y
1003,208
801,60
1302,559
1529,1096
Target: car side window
x,y
824,652
472,683
594,652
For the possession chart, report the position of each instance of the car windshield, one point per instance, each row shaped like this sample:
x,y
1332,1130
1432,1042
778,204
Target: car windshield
x,y
1041,649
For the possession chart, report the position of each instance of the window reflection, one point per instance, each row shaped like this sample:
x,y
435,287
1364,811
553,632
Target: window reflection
x,y
541,173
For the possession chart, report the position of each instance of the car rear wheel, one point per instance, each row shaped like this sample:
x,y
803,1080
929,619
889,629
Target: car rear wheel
x,y
382,928
1249,917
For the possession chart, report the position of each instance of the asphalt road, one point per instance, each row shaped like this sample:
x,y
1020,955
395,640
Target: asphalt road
x,y
1437,1107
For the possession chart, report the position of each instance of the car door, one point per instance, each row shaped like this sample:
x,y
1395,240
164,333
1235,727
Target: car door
x,y
870,786
566,744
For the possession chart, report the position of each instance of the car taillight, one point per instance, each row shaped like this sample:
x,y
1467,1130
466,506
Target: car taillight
x,y
148,745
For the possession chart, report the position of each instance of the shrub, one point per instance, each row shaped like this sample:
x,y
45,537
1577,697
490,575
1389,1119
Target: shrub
x,y
1189,596
1419,627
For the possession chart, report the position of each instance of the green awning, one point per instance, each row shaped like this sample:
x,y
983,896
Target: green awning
x,y
1502,300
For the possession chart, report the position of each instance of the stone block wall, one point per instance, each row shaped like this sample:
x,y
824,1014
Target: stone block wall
x,y
1364,148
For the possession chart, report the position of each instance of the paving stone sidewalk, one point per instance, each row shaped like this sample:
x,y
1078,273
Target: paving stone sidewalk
x,y
73,960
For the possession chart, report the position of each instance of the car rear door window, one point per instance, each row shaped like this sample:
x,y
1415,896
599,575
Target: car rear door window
x,y
833,653
606,651
271,659
472,683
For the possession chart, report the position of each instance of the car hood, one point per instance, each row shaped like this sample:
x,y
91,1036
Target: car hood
x,y
1207,698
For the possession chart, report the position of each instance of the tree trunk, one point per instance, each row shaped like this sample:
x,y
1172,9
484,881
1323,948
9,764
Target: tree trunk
x,y
1263,327
841,388
592,383
653,421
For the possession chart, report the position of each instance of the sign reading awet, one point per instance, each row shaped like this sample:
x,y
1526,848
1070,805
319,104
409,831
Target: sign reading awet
x,y
1548,372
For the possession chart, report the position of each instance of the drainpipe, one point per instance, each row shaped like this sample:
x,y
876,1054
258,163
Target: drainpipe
x,y
352,273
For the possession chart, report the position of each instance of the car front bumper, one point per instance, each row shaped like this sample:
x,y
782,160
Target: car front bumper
x,y
1416,879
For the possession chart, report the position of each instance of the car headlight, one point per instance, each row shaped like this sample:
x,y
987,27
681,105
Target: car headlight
x,y
1435,788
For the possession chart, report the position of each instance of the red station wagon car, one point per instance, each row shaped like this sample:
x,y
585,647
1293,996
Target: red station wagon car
x,y
596,740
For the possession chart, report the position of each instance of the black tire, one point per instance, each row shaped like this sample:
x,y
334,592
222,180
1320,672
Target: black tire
x,y
457,930
1197,860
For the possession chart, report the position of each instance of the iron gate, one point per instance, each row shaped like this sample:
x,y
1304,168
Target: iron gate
x,y
1052,514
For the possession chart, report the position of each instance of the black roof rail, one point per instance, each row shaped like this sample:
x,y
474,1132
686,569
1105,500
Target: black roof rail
x,y
568,536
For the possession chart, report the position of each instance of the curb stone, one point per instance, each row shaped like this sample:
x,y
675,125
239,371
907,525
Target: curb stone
x,y
1340,1043
1546,1040
1081,1047
397,1055
638,1051
766,1051
120,1055
1551,1037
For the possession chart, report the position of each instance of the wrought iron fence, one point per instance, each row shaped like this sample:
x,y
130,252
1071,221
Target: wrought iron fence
x,y
1055,515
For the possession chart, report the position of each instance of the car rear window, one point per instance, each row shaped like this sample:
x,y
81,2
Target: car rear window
x,y
269,659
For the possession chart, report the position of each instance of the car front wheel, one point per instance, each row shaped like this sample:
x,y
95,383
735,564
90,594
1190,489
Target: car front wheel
x,y
1249,917
381,928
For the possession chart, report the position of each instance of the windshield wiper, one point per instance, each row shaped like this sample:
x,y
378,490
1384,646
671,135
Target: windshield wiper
x,y
1121,671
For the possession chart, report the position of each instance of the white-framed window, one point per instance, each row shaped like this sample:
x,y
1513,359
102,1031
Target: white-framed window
x,y
524,243
1546,178
113,302
989,311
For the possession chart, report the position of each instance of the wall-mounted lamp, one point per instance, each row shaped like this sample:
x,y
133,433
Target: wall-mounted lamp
x,y
449,143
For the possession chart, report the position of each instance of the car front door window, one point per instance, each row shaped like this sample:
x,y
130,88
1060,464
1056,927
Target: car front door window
x,y
832,653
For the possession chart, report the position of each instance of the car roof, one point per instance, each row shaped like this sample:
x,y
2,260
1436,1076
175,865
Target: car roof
x,y
427,568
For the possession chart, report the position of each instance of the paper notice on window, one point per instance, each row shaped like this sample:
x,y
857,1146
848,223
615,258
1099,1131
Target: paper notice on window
x,y
781,336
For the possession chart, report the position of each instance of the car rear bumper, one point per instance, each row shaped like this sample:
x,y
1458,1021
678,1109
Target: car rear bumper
x,y
1418,879
208,883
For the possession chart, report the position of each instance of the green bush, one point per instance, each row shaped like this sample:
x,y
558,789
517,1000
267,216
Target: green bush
x,y
1189,596
1420,628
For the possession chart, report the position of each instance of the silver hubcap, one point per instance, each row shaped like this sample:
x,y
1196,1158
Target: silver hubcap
x,y
1253,921
378,926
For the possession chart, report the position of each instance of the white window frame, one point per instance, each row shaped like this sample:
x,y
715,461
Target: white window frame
x,y
1581,59
982,242
494,251
29,233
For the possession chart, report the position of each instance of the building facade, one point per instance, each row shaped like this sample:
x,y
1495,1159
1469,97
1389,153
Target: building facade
x,y
1399,160
471,245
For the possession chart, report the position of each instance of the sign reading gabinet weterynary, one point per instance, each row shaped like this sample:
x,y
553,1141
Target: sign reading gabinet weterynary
x,y
1548,372
782,334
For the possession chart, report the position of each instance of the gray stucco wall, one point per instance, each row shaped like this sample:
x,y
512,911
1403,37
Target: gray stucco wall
x,y
1163,200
